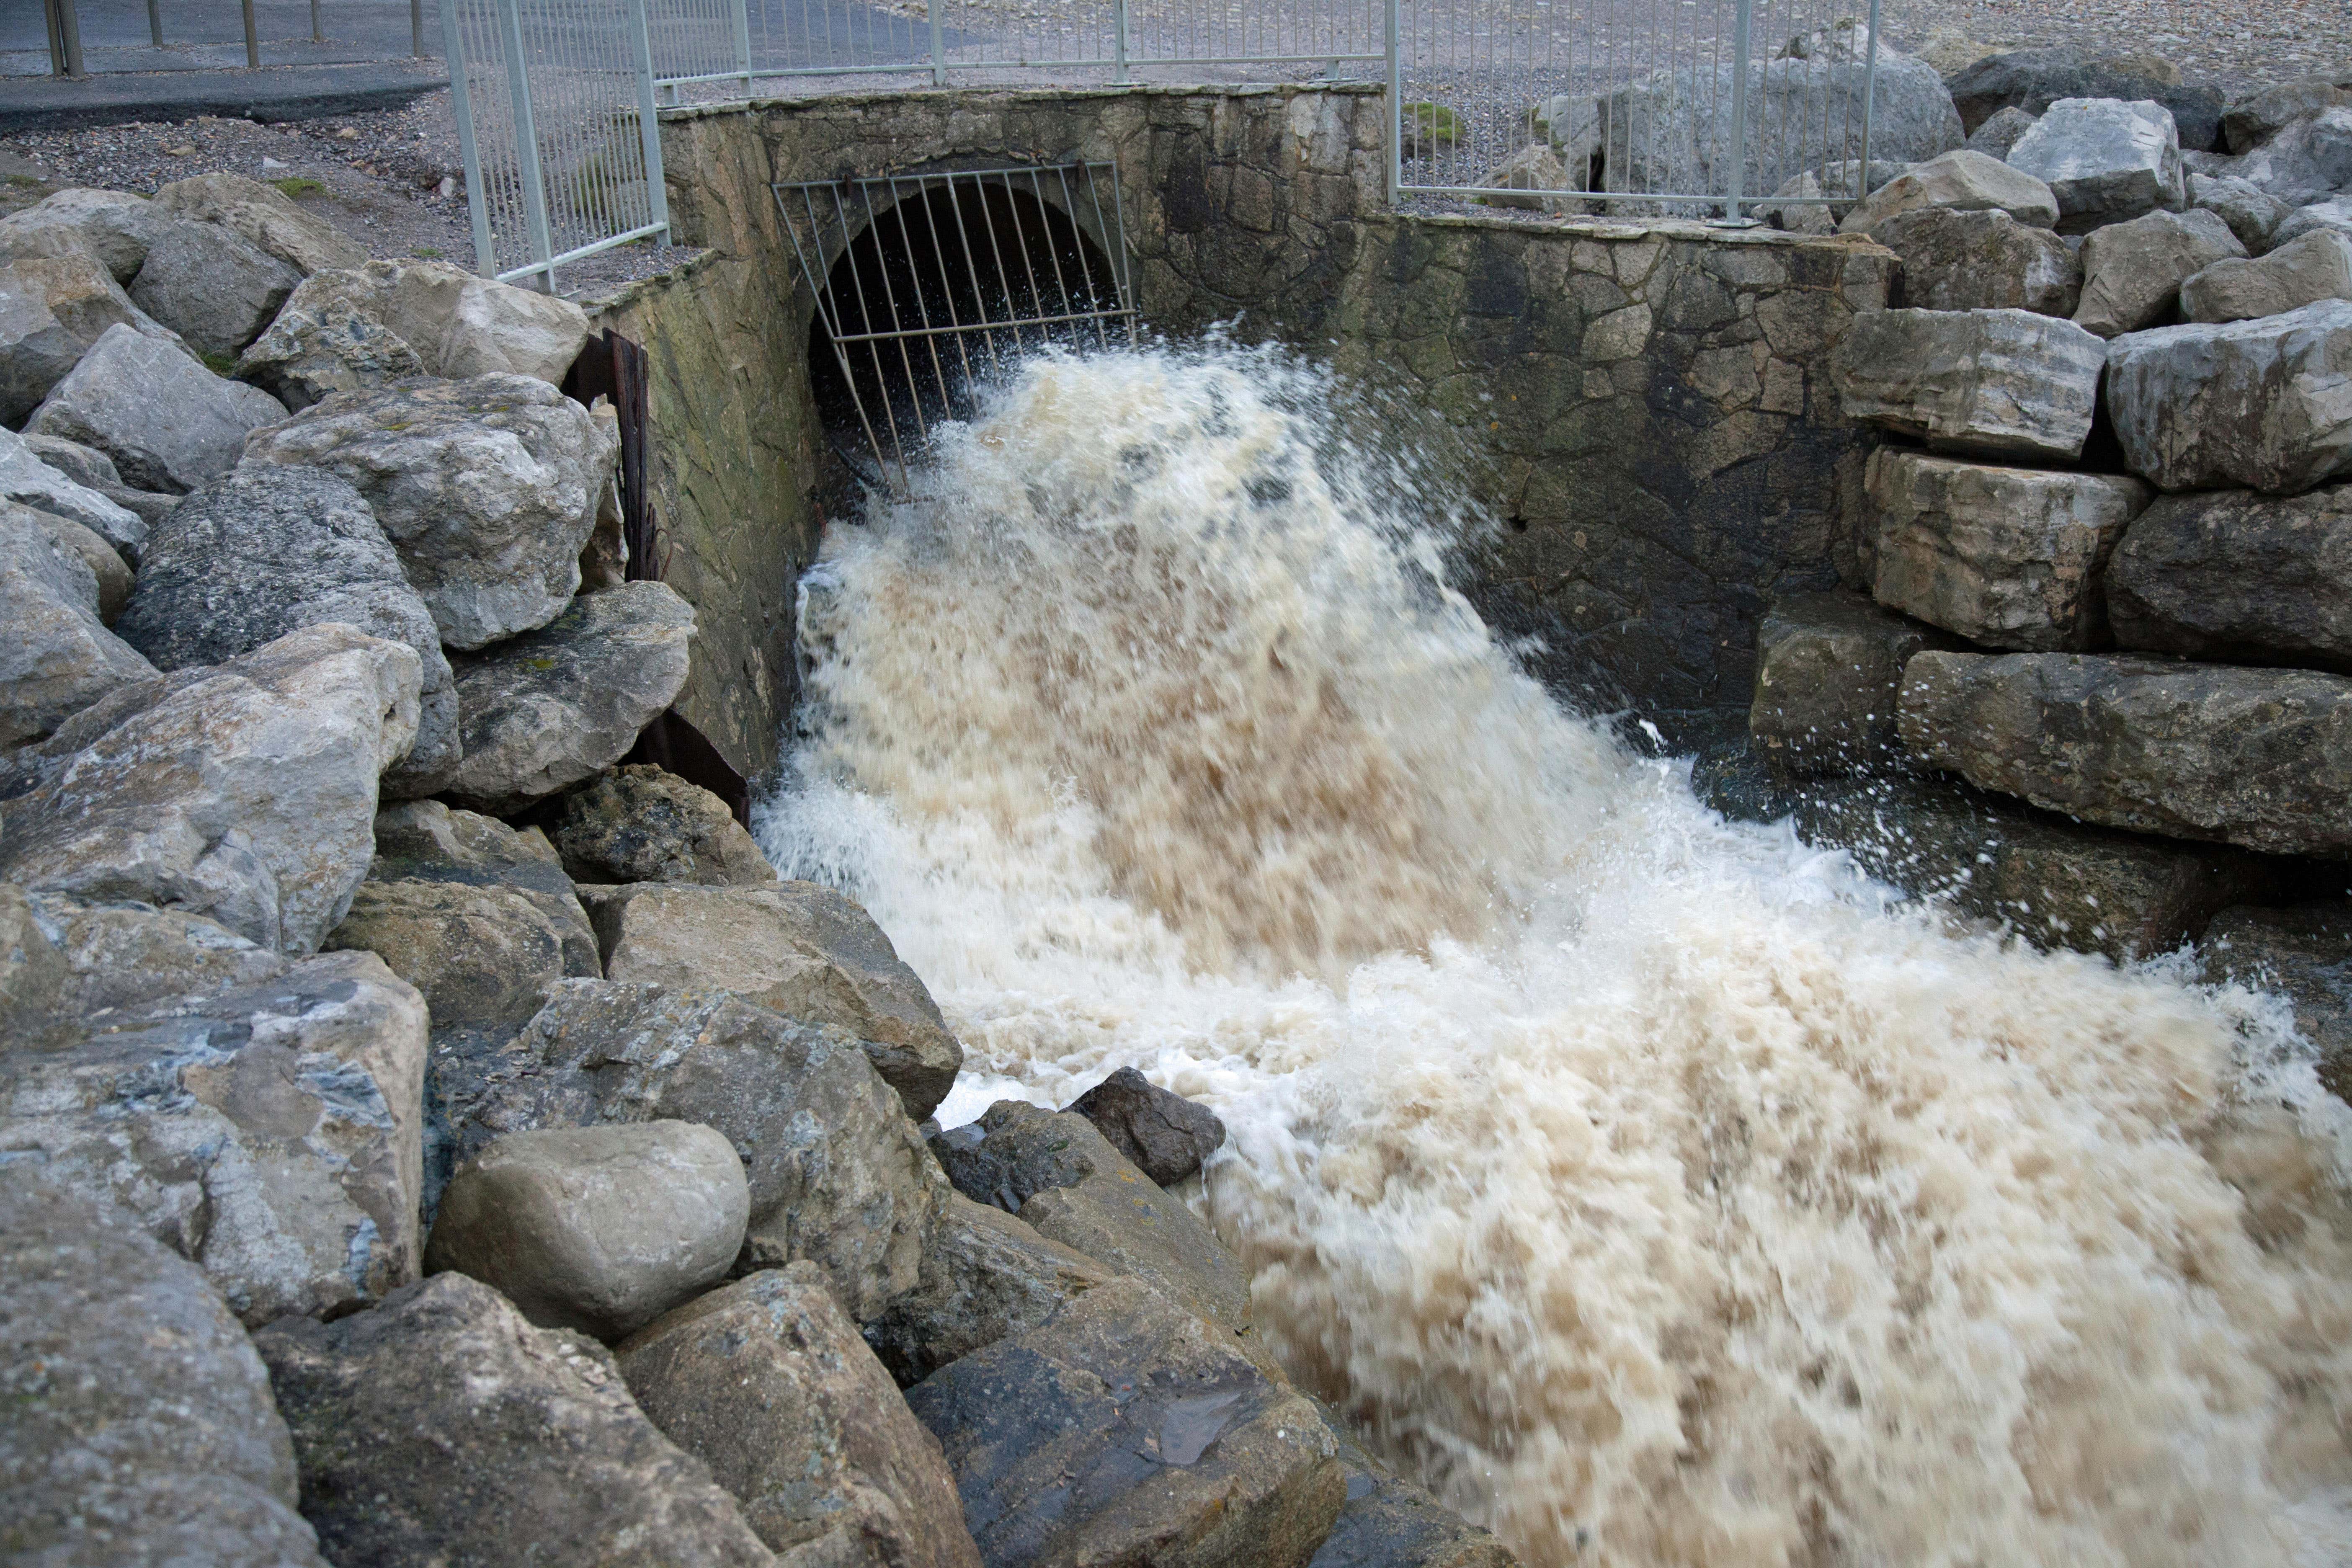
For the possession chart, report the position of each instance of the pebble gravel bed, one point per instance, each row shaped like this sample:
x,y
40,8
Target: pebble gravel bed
x,y
2234,43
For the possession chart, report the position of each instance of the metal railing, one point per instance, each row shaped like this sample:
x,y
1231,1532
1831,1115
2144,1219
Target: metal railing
x,y
1632,106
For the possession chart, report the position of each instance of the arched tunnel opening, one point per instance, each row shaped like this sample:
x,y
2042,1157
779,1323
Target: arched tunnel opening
x,y
943,283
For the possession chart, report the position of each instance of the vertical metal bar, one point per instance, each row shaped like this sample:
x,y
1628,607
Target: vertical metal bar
x,y
156,23
70,34
743,43
947,277
1396,107
648,118
1120,262
252,35
525,131
318,32
461,105
1118,40
915,281
415,25
1740,47
1003,274
830,308
939,46
1869,103
972,271
1085,268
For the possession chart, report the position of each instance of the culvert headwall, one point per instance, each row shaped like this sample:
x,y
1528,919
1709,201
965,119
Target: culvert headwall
x,y
1650,402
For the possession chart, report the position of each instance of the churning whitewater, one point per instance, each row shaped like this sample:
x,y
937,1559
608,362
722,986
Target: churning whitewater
x,y
1659,1191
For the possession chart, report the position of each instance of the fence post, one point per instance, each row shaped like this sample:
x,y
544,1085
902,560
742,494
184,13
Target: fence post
x,y
461,107
1741,16
526,130
65,38
1869,102
938,47
648,116
318,29
415,27
1118,39
742,42
156,23
252,40
1396,107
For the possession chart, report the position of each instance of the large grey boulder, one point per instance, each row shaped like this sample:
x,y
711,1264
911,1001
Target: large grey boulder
x,y
2000,383
837,1172
269,1132
601,1229
986,1275
1827,669
57,658
2256,404
804,950
244,792
2253,214
51,310
1125,1430
2333,214
442,1428
544,710
328,338
2007,557
2304,954
2303,160
2259,758
642,824
2032,81
2132,271
264,216
1161,1132
2301,272
1999,132
2225,575
104,561
30,473
2106,160
767,1383
1955,260
261,551
487,488
1961,181
115,226
2252,118
165,420
36,985
212,286
425,841
141,1427
483,957
131,954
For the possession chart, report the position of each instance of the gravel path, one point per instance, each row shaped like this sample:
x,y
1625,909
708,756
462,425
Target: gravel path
x,y
2237,43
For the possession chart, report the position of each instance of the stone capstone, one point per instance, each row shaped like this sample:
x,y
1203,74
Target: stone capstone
x,y
2000,383
2304,954
544,710
244,792
56,657
804,950
643,824
2253,214
1955,260
264,216
2259,758
837,1172
1161,1133
1961,180
2033,80
487,488
601,1229
268,1132
165,422
2007,557
39,471
1827,669
767,1382
2303,272
986,1275
2255,404
443,1428
213,286
115,226
141,1427
1124,1431
51,310
262,552
2132,272
2249,579
2106,160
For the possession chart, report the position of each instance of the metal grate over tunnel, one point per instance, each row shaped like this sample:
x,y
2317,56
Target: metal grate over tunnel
x,y
926,285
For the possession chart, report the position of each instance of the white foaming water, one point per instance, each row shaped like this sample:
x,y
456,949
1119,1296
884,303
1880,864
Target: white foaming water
x,y
1659,1190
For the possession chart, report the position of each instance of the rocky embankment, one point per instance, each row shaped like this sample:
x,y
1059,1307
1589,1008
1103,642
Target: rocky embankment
x,y
2098,682
430,1138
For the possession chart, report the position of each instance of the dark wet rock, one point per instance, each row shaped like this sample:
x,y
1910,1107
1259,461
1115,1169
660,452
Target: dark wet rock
x,y
768,1382
643,824
428,841
1390,1522
2304,952
1161,1132
804,950
986,1275
1126,1430
442,1428
1827,669
140,1424
2235,577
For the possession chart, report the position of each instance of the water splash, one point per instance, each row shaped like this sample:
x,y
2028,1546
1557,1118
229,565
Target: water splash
x,y
1662,1191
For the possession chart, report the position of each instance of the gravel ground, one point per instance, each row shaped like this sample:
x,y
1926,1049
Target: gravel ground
x,y
2238,44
